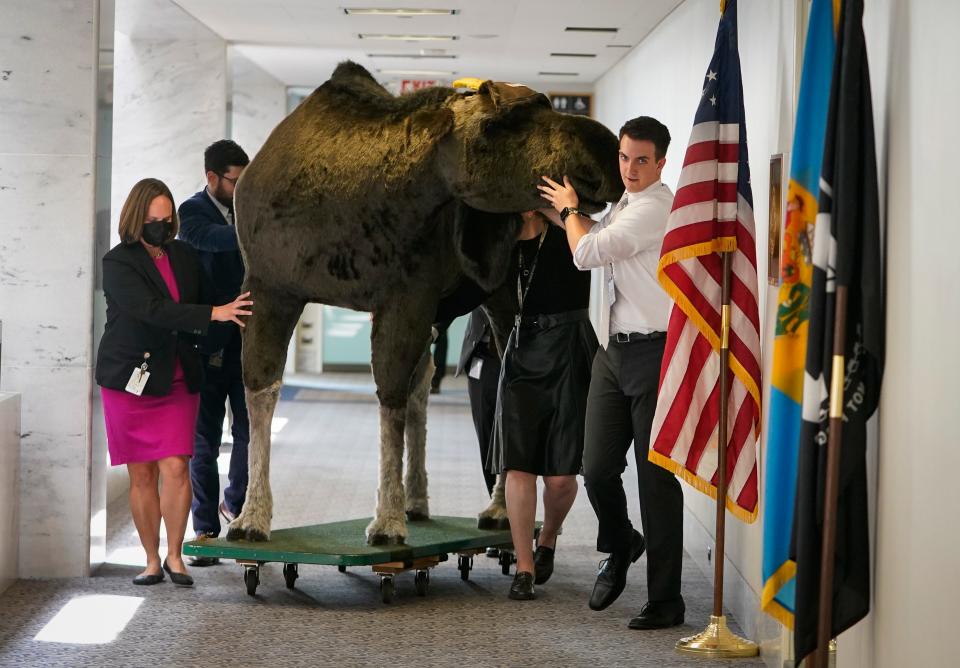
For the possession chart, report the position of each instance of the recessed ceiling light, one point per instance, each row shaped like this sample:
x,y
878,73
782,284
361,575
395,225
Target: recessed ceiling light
x,y
582,29
559,74
483,36
574,55
619,46
408,38
386,11
418,56
419,73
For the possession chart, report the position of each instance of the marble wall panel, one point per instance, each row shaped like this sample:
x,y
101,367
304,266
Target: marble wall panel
x,y
169,104
9,488
47,77
258,103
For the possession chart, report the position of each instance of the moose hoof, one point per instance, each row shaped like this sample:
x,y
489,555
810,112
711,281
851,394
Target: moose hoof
x,y
418,513
493,523
386,532
244,529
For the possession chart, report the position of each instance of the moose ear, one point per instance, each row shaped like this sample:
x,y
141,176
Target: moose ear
x,y
484,243
507,96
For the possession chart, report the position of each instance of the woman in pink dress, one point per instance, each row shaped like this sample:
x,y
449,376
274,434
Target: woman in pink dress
x,y
149,370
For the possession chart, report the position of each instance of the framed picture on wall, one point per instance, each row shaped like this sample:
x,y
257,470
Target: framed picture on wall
x,y
580,104
776,219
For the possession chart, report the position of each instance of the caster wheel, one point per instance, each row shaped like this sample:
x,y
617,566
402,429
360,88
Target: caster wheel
x,y
251,578
465,564
342,569
386,589
420,582
290,574
506,560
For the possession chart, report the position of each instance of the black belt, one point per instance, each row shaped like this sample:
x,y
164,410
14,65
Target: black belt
x,y
544,321
630,337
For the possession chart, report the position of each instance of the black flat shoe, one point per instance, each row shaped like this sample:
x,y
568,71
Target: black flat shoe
x,y
543,564
522,587
612,577
179,579
150,579
659,615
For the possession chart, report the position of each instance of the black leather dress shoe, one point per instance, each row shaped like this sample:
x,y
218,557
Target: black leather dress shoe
x,y
203,562
543,564
612,577
522,587
150,579
659,615
179,579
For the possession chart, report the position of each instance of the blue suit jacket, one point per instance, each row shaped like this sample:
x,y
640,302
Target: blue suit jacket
x,y
204,227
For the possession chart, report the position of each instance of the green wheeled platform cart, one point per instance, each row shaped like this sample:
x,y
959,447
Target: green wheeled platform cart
x,y
343,544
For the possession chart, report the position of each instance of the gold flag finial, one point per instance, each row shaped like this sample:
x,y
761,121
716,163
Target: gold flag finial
x,y
723,6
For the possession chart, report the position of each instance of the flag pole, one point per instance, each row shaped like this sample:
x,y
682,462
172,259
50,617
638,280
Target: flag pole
x,y
831,489
717,641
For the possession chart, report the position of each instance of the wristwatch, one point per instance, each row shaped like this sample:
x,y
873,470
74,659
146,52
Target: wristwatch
x,y
567,210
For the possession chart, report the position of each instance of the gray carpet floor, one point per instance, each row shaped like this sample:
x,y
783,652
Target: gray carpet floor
x,y
324,469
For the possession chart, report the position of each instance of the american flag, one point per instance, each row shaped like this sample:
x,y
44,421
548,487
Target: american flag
x,y
712,212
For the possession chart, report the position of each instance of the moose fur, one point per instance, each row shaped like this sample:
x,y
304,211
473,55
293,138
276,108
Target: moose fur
x,y
378,203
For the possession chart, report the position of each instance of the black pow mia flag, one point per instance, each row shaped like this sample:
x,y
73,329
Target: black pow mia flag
x,y
846,253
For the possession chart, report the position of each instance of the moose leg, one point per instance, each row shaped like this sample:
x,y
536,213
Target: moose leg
x,y
415,479
495,514
401,332
264,354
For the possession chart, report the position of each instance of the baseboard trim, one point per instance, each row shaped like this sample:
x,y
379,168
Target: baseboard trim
x,y
739,599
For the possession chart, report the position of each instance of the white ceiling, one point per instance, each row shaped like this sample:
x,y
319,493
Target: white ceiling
x,y
300,41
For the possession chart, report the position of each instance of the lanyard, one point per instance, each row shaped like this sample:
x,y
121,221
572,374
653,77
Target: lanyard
x,y
521,291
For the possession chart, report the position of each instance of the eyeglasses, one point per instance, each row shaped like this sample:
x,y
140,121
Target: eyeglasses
x,y
228,178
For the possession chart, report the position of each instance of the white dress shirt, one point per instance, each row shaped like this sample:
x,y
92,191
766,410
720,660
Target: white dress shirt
x,y
626,243
227,216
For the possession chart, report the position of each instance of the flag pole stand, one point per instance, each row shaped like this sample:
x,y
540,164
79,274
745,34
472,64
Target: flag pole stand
x,y
718,641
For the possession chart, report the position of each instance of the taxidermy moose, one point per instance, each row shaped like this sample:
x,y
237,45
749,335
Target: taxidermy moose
x,y
378,203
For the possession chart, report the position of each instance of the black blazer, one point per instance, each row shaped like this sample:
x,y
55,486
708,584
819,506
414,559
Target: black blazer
x,y
204,227
144,324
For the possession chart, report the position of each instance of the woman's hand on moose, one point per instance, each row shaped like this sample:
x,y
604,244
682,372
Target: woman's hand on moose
x,y
559,195
231,312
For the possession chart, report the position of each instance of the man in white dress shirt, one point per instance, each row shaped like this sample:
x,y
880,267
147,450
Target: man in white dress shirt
x,y
626,372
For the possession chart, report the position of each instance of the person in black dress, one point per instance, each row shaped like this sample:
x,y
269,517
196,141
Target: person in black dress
x,y
542,397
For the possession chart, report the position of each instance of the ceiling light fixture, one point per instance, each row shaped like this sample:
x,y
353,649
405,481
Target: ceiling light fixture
x,y
386,11
419,73
582,29
573,55
417,56
559,74
409,38
619,46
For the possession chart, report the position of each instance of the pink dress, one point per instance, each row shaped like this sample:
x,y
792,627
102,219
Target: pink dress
x,y
145,428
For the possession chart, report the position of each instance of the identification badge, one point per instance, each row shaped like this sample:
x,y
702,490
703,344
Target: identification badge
x,y
476,364
611,291
138,380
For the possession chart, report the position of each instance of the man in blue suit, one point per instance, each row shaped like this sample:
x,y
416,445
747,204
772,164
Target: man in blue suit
x,y
207,224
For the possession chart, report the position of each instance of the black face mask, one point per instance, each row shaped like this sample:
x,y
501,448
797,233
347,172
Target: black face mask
x,y
157,232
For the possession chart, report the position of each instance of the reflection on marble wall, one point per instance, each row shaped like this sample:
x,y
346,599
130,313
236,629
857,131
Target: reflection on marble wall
x,y
169,104
258,102
47,153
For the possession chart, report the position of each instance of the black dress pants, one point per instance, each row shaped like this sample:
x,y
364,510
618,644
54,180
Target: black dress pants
x,y
483,403
620,408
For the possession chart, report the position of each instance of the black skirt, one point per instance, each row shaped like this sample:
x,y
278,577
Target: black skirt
x,y
542,396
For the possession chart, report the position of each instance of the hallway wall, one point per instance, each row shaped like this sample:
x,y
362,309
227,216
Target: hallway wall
x,y
912,60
